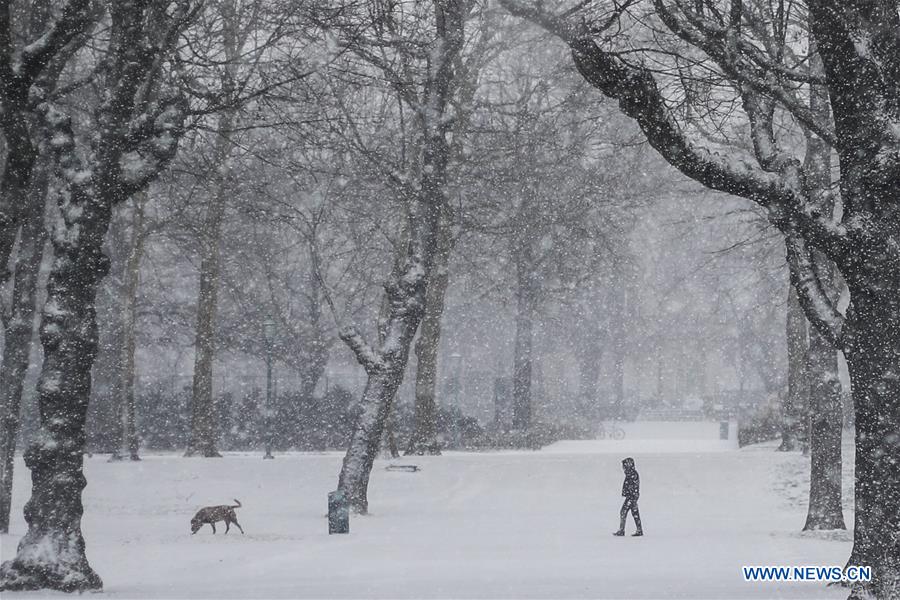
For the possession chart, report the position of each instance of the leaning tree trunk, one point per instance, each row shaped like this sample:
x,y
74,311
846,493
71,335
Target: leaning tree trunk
x,y
794,401
384,370
18,335
127,443
406,291
424,437
52,552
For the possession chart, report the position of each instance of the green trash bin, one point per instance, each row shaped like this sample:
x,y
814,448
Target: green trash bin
x,y
338,512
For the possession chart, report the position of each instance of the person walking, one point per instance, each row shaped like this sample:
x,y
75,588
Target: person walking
x,y
631,490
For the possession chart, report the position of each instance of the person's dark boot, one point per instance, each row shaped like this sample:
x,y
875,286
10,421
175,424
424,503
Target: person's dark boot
x,y
619,533
637,534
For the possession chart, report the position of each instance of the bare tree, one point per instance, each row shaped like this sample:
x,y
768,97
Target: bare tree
x,y
423,198
139,123
34,69
861,83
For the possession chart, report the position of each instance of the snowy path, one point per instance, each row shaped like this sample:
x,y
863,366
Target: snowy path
x,y
507,525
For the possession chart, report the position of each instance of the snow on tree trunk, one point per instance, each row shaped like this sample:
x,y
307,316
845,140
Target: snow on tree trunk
x,y
18,334
795,398
127,443
384,368
52,553
133,140
26,73
872,359
23,191
405,292
424,438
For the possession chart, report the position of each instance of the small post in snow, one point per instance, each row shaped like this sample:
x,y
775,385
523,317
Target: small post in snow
x,y
338,512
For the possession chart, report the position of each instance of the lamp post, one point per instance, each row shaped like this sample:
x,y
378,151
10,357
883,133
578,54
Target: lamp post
x,y
269,334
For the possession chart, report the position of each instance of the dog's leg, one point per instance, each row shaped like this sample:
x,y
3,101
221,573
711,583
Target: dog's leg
x,y
227,525
213,525
238,525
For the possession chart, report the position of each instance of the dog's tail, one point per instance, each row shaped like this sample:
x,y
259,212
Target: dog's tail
x,y
238,505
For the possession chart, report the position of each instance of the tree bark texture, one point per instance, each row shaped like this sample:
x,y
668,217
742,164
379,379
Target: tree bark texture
x,y
52,552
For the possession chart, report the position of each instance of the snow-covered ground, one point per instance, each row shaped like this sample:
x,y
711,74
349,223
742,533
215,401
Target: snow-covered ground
x,y
486,525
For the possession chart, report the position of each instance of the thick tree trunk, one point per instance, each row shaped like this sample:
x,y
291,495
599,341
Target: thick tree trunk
x,y
52,552
424,438
872,354
127,443
794,401
18,336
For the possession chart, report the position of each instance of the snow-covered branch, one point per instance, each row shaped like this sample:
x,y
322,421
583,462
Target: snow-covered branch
x,y
76,16
640,98
365,354
152,144
740,60
818,307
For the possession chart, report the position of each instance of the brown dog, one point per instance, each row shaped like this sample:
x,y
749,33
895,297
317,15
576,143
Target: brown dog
x,y
211,514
